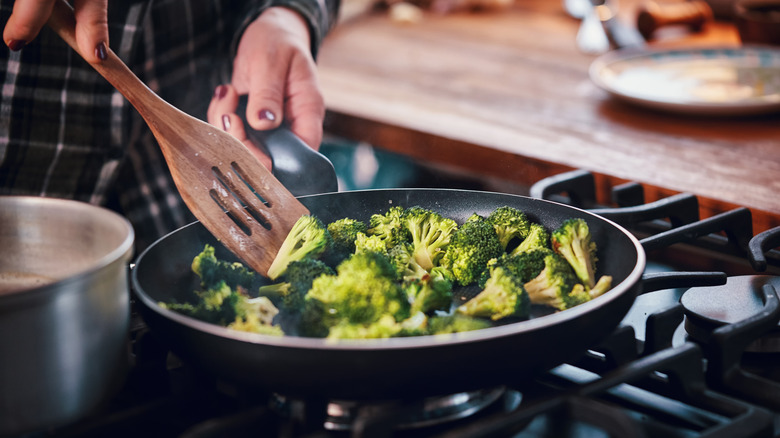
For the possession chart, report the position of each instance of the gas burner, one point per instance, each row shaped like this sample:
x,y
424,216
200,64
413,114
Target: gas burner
x,y
708,308
343,415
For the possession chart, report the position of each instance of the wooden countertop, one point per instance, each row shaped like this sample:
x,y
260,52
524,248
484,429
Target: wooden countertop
x,y
507,95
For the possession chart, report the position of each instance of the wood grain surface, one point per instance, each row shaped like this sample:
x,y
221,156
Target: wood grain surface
x,y
507,95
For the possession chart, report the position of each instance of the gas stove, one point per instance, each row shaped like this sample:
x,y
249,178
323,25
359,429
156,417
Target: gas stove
x,y
698,361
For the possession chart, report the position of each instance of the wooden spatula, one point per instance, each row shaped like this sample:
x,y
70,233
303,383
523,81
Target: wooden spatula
x,y
235,197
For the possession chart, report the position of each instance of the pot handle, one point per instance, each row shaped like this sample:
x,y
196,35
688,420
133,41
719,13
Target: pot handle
x,y
301,169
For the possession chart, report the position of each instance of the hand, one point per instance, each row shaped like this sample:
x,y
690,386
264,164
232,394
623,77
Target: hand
x,y
29,16
274,66
222,113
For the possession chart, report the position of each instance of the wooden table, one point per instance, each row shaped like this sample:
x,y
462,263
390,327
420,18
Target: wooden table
x,y
507,95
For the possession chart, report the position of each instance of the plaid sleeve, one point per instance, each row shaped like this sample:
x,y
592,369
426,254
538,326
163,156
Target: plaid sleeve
x,y
321,16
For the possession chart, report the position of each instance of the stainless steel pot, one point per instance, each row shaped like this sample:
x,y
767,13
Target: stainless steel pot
x,y
64,310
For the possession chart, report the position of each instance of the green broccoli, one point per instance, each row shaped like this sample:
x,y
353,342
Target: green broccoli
x,y
295,284
212,270
511,224
573,241
224,305
430,232
256,315
555,285
406,266
385,327
371,243
603,285
471,247
343,232
216,305
455,323
363,289
308,238
253,324
389,227
429,293
524,266
503,296
537,237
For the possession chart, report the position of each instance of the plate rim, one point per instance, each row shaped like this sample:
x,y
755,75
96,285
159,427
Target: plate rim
x,y
608,59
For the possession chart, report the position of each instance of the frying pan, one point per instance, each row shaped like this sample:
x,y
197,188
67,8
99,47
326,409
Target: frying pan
x,y
394,368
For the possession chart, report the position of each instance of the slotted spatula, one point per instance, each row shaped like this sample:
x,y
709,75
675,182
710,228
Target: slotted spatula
x,y
235,197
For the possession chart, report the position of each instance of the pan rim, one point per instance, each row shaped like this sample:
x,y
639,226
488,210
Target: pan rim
x,y
412,342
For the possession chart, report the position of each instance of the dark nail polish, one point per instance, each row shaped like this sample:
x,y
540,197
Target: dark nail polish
x,y
100,51
220,91
16,45
225,122
266,115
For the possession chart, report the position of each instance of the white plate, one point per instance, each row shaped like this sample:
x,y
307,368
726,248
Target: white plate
x,y
712,81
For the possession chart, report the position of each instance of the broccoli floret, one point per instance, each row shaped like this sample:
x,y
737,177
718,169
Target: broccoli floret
x,y
372,243
224,305
296,282
555,285
389,227
363,289
603,285
314,321
343,232
471,247
503,296
212,271
431,233
308,238
456,323
573,241
256,315
253,324
385,327
429,293
524,266
406,266
537,238
511,224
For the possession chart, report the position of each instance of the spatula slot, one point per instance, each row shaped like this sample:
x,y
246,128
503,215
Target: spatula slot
x,y
244,177
230,212
235,201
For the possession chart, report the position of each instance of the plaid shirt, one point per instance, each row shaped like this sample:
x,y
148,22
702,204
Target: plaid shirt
x,y
65,132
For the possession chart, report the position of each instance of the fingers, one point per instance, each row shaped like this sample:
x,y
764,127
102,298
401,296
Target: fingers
x,y
92,28
26,21
275,68
305,106
222,114
29,16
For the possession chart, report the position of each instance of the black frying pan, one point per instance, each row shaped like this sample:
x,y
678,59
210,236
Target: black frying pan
x,y
399,367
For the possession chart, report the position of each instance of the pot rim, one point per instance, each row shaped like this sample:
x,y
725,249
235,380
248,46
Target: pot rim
x,y
121,252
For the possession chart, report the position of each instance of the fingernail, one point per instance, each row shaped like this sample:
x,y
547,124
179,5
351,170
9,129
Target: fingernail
x,y
16,45
225,122
100,51
220,91
266,115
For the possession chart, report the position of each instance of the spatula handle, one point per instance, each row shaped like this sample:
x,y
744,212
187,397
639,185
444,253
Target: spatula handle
x,y
300,168
143,99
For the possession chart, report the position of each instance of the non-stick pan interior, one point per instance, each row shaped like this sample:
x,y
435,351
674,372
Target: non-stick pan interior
x,y
164,272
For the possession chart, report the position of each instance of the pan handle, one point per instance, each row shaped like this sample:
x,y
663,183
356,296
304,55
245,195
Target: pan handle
x,y
301,169
656,281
